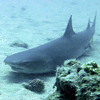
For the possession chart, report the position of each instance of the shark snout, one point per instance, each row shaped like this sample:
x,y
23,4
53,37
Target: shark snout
x,y
30,67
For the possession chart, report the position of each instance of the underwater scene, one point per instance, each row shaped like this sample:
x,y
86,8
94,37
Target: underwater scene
x,y
49,50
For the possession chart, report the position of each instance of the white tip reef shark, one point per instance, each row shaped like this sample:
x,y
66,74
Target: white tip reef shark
x,y
46,57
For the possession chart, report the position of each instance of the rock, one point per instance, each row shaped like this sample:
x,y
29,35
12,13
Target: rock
x,y
35,85
19,43
76,81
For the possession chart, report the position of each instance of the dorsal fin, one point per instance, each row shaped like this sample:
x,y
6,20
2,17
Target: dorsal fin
x,y
69,30
88,24
93,25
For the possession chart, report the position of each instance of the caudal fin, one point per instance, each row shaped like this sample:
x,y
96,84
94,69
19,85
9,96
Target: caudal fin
x,y
93,25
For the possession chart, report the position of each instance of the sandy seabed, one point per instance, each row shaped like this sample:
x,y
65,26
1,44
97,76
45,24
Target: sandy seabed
x,y
36,22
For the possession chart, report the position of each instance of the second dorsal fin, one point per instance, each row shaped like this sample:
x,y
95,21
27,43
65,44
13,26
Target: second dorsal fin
x,y
88,26
69,30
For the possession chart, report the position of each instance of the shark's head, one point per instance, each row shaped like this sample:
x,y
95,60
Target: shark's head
x,y
27,63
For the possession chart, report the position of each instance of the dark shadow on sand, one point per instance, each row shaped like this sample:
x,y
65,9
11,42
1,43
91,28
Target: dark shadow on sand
x,y
14,77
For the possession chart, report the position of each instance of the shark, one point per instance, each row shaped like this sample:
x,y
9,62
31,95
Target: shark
x,y
45,58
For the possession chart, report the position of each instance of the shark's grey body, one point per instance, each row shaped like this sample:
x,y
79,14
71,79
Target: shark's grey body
x,y
46,57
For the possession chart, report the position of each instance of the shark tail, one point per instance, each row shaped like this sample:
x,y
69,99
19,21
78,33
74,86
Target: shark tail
x,y
93,25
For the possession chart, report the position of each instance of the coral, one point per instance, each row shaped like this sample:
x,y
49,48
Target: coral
x,y
91,67
76,81
19,43
35,85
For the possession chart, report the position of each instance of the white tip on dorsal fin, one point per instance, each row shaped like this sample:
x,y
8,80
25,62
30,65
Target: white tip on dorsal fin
x,y
69,30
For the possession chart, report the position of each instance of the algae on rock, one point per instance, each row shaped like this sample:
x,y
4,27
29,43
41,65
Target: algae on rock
x,y
76,81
